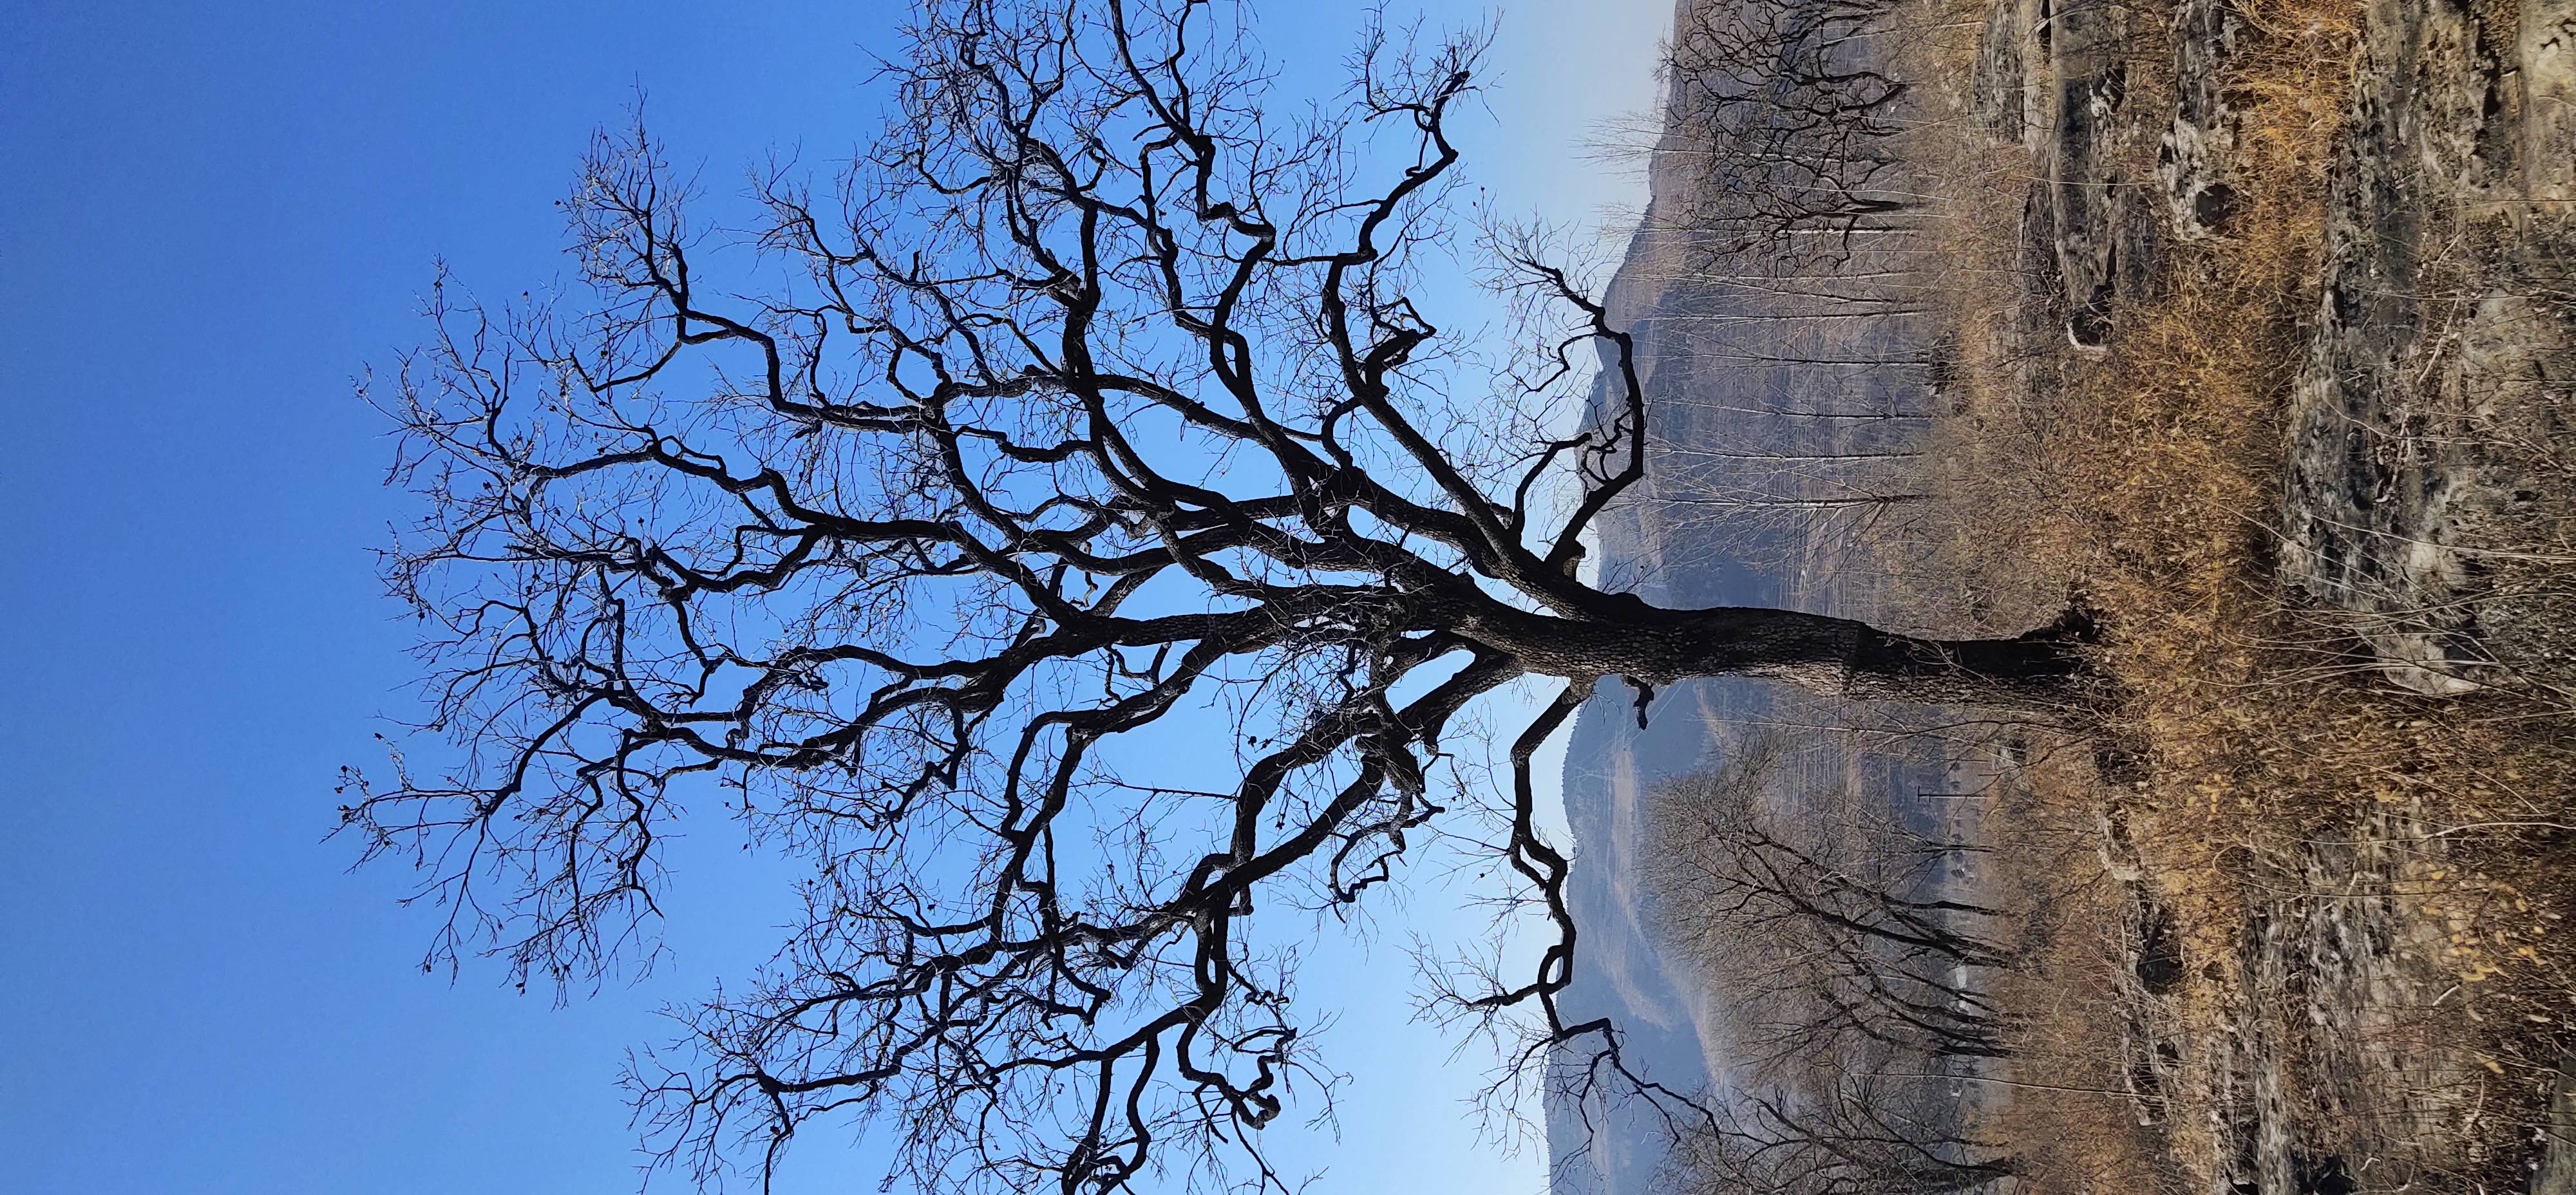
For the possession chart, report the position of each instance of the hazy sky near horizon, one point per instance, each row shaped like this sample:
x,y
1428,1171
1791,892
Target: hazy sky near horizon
x,y
211,218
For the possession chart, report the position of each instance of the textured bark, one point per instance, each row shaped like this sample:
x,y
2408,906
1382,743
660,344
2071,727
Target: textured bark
x,y
2043,669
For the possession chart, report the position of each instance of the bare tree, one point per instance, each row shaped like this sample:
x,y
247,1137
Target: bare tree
x,y
1786,115
1855,980
1857,1131
1829,922
1093,407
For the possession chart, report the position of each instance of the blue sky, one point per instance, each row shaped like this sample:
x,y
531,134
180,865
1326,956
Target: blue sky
x,y
211,217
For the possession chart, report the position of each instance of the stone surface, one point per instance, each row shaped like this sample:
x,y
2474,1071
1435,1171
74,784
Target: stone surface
x,y
2089,77
2556,1174
1998,90
2194,158
2545,54
2440,368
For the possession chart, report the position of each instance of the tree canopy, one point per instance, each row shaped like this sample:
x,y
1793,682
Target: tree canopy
x,y
1093,395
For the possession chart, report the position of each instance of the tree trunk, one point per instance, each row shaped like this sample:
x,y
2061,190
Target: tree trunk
x,y
2042,670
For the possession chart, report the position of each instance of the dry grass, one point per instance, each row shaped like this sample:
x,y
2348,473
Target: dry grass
x,y
2273,774
2080,1115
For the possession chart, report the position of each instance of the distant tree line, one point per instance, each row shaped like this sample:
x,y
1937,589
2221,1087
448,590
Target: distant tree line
x,y
1855,968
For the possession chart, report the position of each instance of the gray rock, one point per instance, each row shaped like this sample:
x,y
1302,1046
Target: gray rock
x,y
2557,1172
2440,365
2193,161
2545,54
2090,80
1999,90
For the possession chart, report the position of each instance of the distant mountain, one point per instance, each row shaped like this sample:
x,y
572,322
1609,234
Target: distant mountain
x,y
1773,408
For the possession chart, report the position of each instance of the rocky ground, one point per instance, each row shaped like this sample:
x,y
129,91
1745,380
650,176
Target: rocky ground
x,y
2307,987
2430,427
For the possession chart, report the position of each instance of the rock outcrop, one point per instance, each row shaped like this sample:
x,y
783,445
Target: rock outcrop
x,y
2197,151
2442,367
2429,430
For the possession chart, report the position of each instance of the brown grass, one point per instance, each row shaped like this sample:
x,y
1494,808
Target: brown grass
x,y
2269,762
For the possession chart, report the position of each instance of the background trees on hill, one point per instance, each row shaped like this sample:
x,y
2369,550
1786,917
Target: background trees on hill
x,y
1785,117
1857,1130
1828,916
1853,968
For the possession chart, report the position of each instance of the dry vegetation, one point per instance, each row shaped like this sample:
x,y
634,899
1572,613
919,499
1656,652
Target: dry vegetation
x,y
2329,908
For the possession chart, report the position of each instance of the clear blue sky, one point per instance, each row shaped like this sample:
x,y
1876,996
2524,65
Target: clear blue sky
x,y
211,217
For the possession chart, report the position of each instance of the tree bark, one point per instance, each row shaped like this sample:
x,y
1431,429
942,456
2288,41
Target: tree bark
x,y
2044,669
